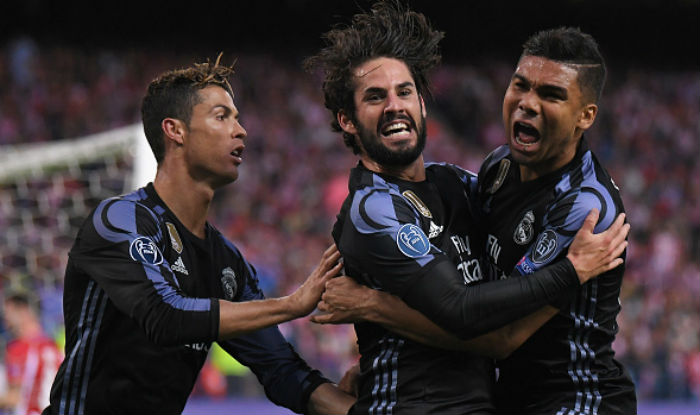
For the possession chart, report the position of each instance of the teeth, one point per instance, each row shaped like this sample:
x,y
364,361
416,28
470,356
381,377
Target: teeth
x,y
396,128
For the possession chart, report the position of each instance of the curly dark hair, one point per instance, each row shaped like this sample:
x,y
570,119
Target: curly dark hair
x,y
174,93
390,30
572,46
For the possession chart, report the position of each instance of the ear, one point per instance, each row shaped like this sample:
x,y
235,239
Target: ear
x,y
173,130
422,107
587,116
346,122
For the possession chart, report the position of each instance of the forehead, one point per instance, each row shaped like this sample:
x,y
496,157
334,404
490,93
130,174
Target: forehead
x,y
543,71
212,96
381,73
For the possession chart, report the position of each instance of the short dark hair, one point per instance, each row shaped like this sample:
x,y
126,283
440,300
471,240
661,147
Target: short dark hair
x,y
388,30
173,94
22,298
572,46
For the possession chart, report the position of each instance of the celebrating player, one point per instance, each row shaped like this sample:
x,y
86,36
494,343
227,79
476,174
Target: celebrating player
x,y
406,227
150,284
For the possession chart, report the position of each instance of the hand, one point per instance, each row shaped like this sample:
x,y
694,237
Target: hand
x,y
305,298
344,301
351,381
593,254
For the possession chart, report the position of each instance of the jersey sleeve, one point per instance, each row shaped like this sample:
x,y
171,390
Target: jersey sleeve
x,y
287,379
121,248
560,225
392,253
384,241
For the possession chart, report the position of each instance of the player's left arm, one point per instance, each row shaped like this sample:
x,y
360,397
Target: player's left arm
x,y
286,378
345,301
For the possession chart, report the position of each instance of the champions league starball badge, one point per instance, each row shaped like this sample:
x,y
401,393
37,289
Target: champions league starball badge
x,y
144,250
412,241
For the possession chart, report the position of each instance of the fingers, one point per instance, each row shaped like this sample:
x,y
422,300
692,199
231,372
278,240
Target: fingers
x,y
333,271
330,250
621,233
590,221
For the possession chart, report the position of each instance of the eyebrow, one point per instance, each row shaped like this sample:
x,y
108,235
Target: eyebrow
x,y
375,89
226,109
545,87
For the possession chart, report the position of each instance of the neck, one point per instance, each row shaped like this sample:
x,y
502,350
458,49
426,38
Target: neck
x,y
414,172
30,329
536,170
187,198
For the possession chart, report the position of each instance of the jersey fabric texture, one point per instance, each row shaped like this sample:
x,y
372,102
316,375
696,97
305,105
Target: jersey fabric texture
x,y
415,240
568,365
141,308
392,232
31,363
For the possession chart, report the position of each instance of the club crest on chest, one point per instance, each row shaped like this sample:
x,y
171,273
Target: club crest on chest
x,y
228,283
525,230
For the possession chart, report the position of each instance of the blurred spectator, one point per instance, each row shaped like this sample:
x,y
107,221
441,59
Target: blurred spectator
x,y
31,359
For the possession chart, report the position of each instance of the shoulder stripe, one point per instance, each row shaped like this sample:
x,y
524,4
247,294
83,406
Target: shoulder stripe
x,y
363,212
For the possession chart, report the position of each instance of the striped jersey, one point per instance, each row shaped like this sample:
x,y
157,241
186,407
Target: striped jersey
x,y
31,364
141,312
568,365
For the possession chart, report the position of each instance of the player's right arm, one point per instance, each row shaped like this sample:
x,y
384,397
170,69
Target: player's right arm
x,y
121,249
590,255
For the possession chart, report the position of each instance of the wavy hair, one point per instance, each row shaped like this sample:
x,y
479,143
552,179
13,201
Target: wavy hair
x,y
390,30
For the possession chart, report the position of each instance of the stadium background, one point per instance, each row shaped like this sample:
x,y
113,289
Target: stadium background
x,y
69,71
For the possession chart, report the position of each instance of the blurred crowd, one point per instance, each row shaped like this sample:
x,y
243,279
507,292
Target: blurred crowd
x,y
293,180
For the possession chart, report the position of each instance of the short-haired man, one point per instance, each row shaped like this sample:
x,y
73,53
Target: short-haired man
x,y
150,284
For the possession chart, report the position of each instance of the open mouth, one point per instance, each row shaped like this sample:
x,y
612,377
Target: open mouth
x,y
396,129
525,134
238,153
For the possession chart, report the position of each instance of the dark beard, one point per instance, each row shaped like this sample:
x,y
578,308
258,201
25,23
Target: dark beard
x,y
383,155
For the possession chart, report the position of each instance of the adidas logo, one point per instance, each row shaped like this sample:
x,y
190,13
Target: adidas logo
x,y
179,266
434,230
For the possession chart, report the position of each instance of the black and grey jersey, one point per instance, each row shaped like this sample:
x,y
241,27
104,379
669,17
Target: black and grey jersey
x,y
141,304
391,233
568,365
416,240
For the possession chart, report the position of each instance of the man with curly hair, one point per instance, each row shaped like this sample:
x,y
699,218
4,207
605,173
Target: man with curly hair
x,y
406,229
150,284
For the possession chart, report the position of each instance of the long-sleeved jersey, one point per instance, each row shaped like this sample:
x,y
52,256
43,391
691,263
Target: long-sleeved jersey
x,y
568,365
141,305
414,240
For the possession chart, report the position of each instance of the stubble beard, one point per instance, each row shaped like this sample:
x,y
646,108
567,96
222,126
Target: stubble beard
x,y
385,156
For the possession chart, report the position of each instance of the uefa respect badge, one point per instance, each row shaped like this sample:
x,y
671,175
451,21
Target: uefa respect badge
x,y
412,241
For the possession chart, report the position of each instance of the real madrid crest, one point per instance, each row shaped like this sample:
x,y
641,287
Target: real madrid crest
x,y
525,230
228,283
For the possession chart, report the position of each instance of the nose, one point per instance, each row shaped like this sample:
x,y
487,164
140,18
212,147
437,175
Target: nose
x,y
239,131
393,104
529,103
